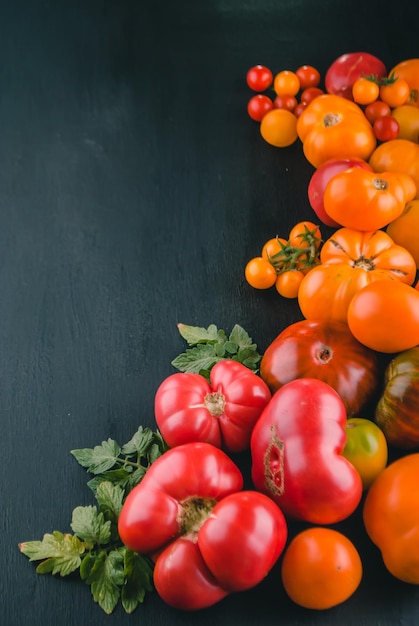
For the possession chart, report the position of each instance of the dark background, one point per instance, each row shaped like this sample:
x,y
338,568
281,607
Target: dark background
x,y
133,190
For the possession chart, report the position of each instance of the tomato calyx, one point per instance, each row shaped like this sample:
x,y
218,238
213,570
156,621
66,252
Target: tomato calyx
x,y
274,464
194,511
298,257
214,402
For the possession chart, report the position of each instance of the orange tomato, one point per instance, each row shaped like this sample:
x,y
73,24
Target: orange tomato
x,y
397,155
404,230
384,316
286,83
304,235
288,283
365,91
333,127
259,273
279,128
395,93
364,200
351,259
391,517
407,118
409,71
321,568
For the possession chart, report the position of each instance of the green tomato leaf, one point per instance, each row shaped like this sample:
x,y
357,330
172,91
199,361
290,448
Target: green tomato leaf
x,y
139,443
201,357
100,458
138,573
90,525
105,575
110,498
197,334
60,553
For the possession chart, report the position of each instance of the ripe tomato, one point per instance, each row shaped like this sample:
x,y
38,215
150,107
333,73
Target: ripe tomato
x,y
286,82
326,350
285,102
404,230
321,568
304,234
288,283
334,127
365,91
409,71
272,247
347,68
375,110
364,200
279,128
258,106
397,155
386,127
395,93
366,448
259,273
308,75
308,94
384,316
259,78
407,117
321,177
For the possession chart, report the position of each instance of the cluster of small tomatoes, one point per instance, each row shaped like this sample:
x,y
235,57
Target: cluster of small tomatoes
x,y
365,185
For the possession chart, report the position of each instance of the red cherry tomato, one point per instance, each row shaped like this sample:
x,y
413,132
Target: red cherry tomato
x,y
310,94
285,102
308,75
259,78
386,127
258,106
375,110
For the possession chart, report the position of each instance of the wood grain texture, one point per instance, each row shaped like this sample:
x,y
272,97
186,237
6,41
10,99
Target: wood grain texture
x,y
133,189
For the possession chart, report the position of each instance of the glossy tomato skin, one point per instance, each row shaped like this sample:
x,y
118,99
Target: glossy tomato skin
x,y
404,230
366,448
396,412
208,537
397,155
346,69
221,412
326,350
321,177
408,70
296,451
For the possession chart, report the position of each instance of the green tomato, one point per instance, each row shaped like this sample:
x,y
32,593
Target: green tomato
x,y
366,448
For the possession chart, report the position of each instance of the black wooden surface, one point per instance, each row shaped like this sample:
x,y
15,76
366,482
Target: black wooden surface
x,y
133,189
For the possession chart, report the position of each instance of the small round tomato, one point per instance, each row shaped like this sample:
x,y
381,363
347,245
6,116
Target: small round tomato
x,y
404,230
407,117
301,106
258,106
285,102
409,71
321,568
279,128
259,273
310,93
272,247
286,82
304,234
366,448
375,110
395,92
308,75
288,283
384,316
259,78
365,91
386,127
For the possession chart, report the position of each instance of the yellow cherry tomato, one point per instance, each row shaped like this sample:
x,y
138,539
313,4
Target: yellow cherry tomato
x,y
366,448
279,128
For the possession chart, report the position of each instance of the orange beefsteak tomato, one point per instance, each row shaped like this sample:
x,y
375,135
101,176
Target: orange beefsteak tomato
x,y
397,155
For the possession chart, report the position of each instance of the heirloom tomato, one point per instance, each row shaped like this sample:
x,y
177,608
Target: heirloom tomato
x,y
321,177
384,315
346,69
326,350
351,259
391,517
208,538
296,451
404,230
222,411
331,127
396,412
366,448
408,70
397,155
364,200
407,117
321,568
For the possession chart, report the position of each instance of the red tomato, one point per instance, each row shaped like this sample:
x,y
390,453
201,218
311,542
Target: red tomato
x,y
386,127
222,412
210,538
296,450
326,350
258,106
321,177
346,69
259,78
285,102
375,110
310,94
308,75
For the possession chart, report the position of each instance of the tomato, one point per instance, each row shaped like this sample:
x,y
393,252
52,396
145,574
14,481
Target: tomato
x,y
321,177
260,273
376,109
395,92
396,411
407,117
210,537
346,69
258,106
296,450
326,350
365,91
321,568
386,127
351,259
288,283
409,71
384,316
366,448
364,200
333,127
305,234
310,93
404,230
301,106
259,78
308,76
391,514
397,155
222,411
285,102
273,246
286,82
279,128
